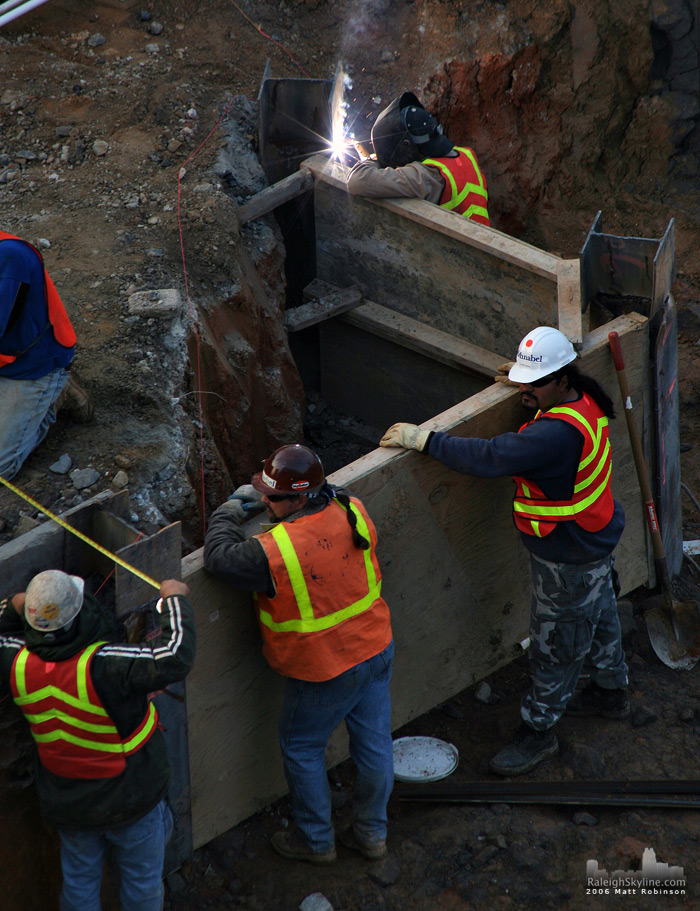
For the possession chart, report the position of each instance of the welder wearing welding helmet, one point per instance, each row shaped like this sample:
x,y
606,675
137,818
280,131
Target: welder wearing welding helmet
x,y
415,159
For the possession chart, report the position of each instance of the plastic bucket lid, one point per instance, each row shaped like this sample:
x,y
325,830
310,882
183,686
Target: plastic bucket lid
x,y
423,759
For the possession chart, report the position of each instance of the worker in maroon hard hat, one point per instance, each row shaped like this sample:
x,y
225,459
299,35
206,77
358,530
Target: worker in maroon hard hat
x,y
326,628
414,158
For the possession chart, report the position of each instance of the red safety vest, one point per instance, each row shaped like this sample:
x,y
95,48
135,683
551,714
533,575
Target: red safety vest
x,y
327,614
591,505
465,185
75,736
61,324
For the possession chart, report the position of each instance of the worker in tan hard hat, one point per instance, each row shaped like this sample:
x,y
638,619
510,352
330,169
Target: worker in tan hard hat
x,y
569,522
103,774
37,345
326,629
414,158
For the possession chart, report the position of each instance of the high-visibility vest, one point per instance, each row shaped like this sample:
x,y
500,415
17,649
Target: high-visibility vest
x,y
465,185
591,505
327,614
75,736
56,312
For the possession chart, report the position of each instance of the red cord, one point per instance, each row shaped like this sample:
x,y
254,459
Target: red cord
x,y
270,38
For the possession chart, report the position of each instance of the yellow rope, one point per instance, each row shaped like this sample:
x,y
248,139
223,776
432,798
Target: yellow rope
x,y
79,534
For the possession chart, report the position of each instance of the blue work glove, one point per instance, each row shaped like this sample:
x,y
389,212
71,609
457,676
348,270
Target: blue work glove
x,y
246,501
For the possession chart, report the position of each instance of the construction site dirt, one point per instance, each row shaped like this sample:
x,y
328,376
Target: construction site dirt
x,y
114,117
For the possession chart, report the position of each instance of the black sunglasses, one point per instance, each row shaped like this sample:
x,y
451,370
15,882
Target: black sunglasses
x,y
278,497
543,381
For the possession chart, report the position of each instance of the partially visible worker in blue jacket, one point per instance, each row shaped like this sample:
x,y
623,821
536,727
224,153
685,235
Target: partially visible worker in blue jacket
x,y
569,522
37,344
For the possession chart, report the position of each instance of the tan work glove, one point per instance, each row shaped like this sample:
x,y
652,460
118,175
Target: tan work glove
x,y
502,375
405,436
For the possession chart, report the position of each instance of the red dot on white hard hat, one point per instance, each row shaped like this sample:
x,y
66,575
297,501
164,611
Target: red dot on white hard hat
x,y
528,343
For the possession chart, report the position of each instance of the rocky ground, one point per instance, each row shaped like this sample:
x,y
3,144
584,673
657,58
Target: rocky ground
x,y
116,162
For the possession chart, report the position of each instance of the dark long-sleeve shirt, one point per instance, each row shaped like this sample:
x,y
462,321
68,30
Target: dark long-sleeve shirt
x,y
548,452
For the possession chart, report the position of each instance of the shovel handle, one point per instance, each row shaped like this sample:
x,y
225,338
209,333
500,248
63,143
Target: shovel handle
x,y
640,463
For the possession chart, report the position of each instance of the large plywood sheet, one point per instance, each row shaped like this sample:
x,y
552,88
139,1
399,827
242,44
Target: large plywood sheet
x,y
455,576
433,265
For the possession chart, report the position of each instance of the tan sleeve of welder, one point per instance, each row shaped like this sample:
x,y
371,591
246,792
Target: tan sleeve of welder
x,y
414,181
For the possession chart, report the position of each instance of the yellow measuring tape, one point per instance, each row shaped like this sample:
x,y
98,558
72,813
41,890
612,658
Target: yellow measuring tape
x,y
79,534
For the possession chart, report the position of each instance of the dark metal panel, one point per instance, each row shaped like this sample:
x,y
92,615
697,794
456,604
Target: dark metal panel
x,y
668,467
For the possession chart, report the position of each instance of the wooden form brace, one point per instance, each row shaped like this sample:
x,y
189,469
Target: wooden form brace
x,y
455,576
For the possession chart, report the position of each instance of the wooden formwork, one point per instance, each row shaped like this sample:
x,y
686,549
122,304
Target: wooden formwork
x,y
455,575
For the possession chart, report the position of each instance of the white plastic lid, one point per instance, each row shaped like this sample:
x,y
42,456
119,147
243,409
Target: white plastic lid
x,y
424,759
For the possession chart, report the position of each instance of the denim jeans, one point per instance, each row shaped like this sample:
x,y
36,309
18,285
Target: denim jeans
x,y
139,852
310,714
26,413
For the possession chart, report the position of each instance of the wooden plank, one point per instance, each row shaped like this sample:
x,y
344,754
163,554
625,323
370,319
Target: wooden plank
x,y
276,195
159,556
438,345
569,301
489,240
429,269
315,311
455,576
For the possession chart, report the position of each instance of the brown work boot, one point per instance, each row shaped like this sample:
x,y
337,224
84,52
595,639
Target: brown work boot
x,y
370,850
75,399
289,844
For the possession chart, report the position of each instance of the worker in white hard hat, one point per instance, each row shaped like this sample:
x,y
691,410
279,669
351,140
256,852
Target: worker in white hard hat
x,y
569,522
102,773
413,158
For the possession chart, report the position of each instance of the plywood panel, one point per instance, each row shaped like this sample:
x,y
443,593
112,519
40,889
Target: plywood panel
x,y
435,266
455,576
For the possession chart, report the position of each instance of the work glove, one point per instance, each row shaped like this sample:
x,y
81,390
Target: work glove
x,y
405,436
245,502
502,375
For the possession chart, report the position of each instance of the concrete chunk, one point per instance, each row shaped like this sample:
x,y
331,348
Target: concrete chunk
x,y
164,302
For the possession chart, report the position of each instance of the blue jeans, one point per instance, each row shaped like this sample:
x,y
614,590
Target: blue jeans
x,y
26,413
139,852
310,714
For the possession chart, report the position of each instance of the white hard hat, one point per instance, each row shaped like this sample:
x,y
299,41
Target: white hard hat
x,y
53,599
541,352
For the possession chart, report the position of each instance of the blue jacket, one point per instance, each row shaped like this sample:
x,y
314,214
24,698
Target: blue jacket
x,y
25,329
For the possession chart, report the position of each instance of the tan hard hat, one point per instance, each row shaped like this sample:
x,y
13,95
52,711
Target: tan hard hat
x,y
53,599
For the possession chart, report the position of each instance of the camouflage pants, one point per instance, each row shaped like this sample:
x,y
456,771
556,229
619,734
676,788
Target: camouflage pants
x,y
573,624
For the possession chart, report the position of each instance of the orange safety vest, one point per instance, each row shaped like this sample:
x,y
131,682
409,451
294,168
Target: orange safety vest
x,y
327,614
58,318
465,185
75,736
591,505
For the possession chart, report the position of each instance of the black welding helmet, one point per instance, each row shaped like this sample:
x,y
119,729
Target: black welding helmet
x,y
404,132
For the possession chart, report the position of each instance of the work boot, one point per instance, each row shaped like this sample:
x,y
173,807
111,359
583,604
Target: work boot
x,y
595,700
525,751
75,399
370,850
290,844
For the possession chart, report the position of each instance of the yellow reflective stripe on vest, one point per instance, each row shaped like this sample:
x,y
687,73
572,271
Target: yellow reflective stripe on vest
x,y
127,746
595,435
307,622
570,510
55,692
130,745
457,197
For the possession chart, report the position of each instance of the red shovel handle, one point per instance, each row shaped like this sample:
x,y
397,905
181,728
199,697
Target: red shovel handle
x,y
616,350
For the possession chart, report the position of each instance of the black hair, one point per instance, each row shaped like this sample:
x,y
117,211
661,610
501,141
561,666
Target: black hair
x,y
344,500
581,382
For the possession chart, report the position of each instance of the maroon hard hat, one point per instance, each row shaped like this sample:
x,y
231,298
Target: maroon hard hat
x,y
292,469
